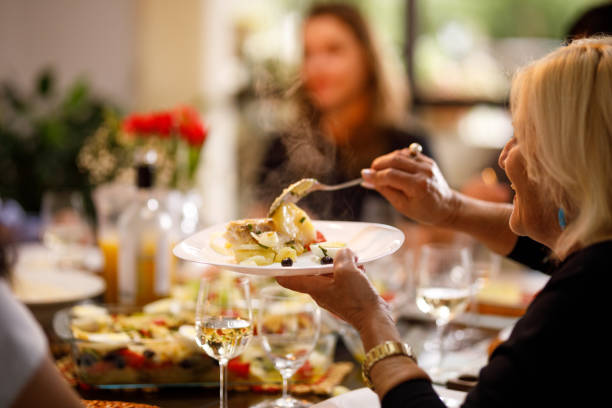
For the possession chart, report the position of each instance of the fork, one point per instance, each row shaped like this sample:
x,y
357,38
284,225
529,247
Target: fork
x,y
300,189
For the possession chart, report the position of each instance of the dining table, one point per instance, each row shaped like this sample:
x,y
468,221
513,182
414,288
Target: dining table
x,y
470,357
201,397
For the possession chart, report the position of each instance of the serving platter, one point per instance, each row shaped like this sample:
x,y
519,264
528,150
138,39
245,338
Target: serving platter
x,y
369,241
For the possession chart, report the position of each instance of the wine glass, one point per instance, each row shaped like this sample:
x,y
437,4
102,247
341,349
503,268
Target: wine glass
x,y
289,325
224,321
444,289
485,266
65,228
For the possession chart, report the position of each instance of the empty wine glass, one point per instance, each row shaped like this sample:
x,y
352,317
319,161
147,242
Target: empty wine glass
x,y
224,321
289,325
65,228
444,289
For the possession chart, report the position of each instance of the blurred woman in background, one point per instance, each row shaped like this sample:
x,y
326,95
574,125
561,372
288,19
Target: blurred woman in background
x,y
560,165
351,109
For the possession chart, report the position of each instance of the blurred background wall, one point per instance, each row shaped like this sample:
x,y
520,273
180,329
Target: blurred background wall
x,y
91,39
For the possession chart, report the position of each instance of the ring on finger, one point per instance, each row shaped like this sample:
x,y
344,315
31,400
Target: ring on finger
x,y
414,149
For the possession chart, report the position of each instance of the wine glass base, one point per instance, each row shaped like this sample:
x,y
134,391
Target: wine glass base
x,y
288,402
439,371
463,338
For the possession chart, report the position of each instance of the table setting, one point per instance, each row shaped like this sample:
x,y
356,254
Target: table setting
x,y
262,335
227,326
230,326
154,307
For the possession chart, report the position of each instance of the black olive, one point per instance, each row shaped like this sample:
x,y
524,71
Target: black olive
x,y
287,262
186,363
119,362
327,260
148,353
110,357
86,360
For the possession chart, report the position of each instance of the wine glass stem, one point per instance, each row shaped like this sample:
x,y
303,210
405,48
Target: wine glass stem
x,y
440,328
474,304
223,384
285,386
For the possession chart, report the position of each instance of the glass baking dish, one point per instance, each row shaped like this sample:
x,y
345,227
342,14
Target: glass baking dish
x,y
112,360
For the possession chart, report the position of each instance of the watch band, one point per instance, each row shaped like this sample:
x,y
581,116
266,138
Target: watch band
x,y
380,352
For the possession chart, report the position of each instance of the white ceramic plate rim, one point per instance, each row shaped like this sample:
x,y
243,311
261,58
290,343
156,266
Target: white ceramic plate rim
x,y
81,285
196,248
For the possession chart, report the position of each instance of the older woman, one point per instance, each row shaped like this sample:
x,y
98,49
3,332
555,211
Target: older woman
x,y
560,166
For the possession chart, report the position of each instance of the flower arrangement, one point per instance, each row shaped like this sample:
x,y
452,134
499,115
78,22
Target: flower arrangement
x,y
176,135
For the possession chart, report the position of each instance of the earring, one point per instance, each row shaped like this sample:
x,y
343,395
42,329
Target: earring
x,y
561,219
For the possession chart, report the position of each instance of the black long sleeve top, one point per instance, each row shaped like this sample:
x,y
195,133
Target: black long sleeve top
x,y
288,160
557,354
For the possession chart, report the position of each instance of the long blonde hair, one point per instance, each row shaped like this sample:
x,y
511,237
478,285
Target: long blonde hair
x,y
562,113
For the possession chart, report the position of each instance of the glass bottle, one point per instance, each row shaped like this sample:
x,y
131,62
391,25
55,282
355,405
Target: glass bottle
x,y
145,238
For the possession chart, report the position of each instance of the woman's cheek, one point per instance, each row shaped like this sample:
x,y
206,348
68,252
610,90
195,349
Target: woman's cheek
x,y
515,221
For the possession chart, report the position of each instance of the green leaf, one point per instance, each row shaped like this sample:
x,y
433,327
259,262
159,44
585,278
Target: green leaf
x,y
76,97
45,82
15,101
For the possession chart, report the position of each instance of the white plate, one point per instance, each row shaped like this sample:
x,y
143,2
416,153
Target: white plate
x,y
45,287
369,241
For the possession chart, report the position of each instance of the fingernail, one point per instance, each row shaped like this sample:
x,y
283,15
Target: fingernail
x,y
367,173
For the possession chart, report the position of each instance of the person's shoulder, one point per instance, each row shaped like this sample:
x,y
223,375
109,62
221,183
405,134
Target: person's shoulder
x,y
23,345
592,261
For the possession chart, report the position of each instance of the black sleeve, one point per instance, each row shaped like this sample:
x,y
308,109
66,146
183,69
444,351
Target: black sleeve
x,y
413,394
532,254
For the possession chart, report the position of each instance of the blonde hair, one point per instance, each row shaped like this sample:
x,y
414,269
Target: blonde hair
x,y
562,112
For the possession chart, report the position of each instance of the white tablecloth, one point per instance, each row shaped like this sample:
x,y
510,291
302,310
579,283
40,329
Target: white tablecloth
x,y
366,398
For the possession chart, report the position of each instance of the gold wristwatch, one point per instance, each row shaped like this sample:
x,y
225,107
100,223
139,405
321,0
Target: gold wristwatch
x,y
380,352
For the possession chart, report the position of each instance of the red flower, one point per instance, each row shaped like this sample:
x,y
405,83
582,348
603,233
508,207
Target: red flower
x,y
190,127
162,123
193,133
137,123
184,119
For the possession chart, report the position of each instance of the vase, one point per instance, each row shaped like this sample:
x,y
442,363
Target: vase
x,y
186,210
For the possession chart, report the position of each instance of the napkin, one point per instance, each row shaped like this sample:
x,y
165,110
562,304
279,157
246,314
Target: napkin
x,y
366,398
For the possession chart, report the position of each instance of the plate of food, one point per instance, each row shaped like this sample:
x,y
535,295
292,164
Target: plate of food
x,y
287,243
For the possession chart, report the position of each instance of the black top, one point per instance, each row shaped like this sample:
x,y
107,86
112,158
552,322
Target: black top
x,y
289,159
557,354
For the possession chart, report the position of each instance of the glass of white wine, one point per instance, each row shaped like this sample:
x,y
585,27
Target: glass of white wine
x,y
444,289
224,321
289,325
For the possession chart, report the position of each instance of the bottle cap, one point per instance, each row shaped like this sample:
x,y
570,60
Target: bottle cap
x,y
145,175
